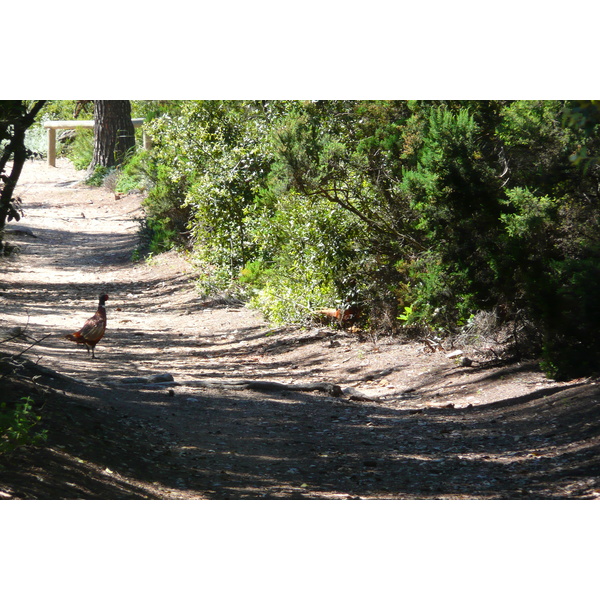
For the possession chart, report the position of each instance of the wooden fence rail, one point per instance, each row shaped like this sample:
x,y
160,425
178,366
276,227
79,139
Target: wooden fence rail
x,y
52,126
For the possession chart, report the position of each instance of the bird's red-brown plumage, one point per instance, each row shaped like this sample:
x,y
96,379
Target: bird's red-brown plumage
x,y
93,329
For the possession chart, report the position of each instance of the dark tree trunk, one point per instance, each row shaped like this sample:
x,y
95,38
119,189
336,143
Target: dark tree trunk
x,y
15,120
114,135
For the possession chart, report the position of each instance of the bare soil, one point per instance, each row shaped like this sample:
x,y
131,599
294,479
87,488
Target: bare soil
x,y
252,411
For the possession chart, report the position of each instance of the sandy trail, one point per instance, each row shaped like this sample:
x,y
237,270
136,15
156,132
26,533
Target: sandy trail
x,y
423,427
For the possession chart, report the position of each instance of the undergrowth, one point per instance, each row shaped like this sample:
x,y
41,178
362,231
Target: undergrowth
x,y
18,424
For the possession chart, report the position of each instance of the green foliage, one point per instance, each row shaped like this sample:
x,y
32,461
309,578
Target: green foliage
x,y
78,150
306,247
558,254
422,213
81,151
338,159
255,274
452,190
152,109
156,237
584,116
168,216
290,301
16,117
36,140
134,174
59,110
548,250
571,342
408,315
17,424
529,123
96,179
165,225
530,216
211,162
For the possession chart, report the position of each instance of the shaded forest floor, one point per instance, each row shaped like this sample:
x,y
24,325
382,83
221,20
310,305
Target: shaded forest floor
x,y
252,411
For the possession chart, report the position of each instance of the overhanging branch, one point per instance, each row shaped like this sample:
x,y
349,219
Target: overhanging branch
x,y
333,195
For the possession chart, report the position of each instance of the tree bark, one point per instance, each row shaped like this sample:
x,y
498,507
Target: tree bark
x,y
18,120
114,135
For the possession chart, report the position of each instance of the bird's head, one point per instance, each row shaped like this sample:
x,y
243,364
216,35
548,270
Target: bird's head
x,y
103,298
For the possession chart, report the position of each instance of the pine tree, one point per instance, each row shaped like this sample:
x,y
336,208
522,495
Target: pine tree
x,y
114,135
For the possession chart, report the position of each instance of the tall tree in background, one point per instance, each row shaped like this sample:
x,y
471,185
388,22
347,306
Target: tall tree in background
x,y
114,135
16,116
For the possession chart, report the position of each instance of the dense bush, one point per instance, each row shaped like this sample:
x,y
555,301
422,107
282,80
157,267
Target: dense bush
x,y
417,212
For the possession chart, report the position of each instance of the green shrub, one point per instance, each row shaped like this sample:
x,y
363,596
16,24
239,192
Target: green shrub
x,y
36,140
81,150
99,175
135,174
155,237
168,216
17,424
421,213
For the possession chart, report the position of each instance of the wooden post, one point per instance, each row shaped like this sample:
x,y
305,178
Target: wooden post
x,y
51,147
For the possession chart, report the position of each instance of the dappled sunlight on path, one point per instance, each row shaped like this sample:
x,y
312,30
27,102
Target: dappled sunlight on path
x,y
231,419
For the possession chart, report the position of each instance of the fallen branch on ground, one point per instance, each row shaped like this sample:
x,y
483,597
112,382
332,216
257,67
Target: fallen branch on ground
x,y
257,385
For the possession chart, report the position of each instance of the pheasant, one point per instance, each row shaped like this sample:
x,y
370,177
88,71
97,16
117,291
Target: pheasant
x,y
93,329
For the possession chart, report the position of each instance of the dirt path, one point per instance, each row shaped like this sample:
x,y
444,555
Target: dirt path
x,y
240,419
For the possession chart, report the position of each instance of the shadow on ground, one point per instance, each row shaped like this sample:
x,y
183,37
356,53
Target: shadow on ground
x,y
108,439
117,443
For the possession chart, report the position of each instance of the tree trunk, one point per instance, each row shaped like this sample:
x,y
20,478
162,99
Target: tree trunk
x,y
114,135
15,122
